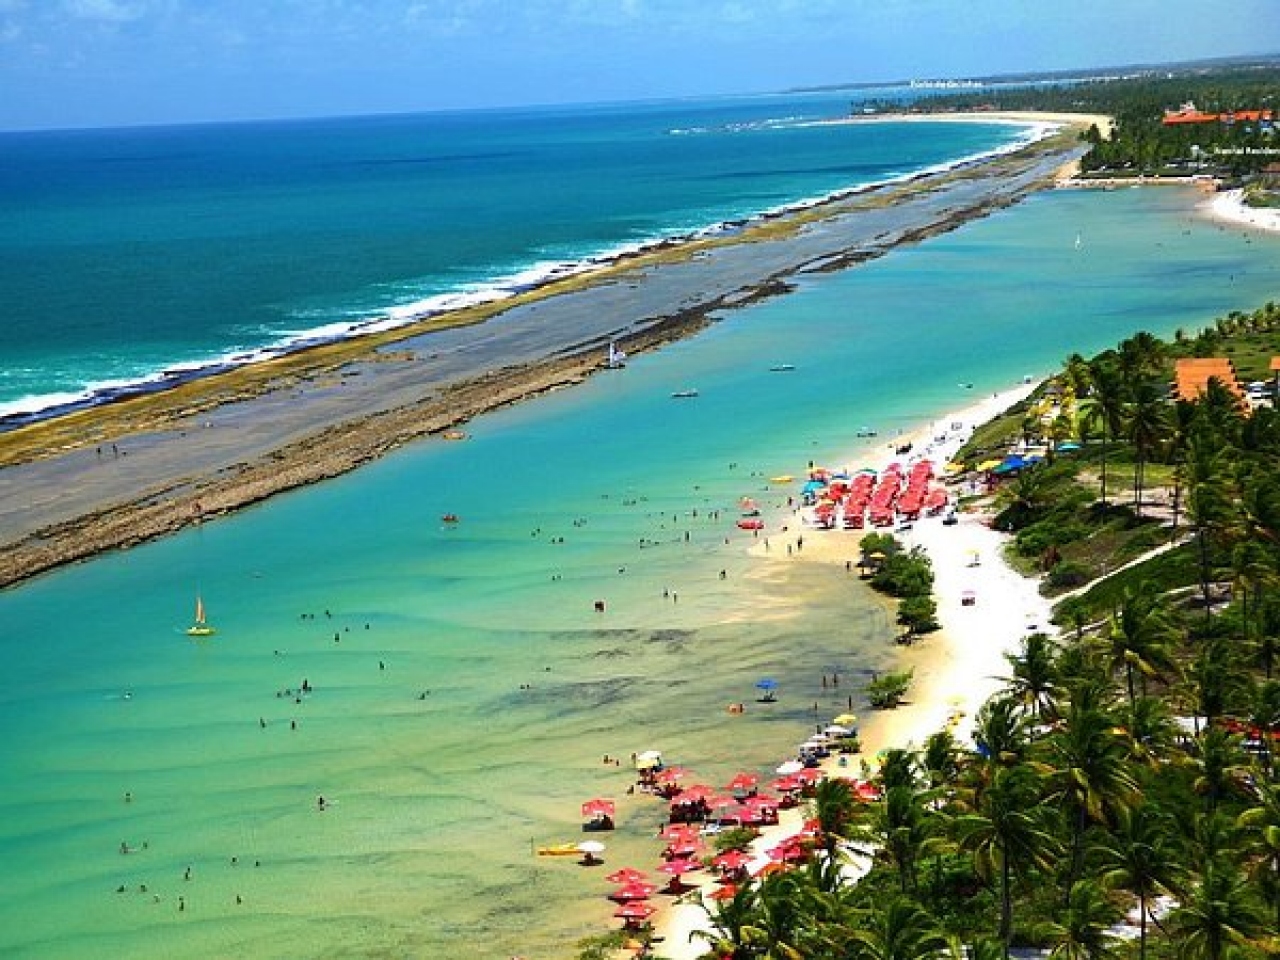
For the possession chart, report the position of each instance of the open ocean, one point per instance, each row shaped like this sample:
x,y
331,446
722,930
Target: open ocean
x,y
463,688
128,253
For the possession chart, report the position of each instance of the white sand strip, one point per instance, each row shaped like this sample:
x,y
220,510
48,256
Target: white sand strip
x,y
1229,205
956,669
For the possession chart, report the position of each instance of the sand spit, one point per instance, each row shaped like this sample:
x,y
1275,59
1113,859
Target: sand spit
x,y
126,472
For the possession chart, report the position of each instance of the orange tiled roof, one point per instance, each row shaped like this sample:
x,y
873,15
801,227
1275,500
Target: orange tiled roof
x,y
1172,117
1191,376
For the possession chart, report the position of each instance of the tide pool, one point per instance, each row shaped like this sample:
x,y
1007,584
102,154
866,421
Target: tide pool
x,y
464,690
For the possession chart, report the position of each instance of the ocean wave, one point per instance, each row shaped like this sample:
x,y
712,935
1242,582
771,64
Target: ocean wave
x,y
363,322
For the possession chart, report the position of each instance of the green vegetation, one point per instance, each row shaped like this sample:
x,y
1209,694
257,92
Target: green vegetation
x,y
1141,144
905,574
888,690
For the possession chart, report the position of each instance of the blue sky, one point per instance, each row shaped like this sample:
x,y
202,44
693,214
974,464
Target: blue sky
x,y
70,63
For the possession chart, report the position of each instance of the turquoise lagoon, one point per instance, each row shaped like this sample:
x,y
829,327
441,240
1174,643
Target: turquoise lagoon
x,y
464,688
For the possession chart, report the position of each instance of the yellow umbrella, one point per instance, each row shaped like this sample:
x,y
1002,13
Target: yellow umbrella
x,y
989,464
846,719
954,467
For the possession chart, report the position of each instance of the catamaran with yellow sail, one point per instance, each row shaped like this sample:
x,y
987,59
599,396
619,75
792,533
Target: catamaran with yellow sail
x,y
200,628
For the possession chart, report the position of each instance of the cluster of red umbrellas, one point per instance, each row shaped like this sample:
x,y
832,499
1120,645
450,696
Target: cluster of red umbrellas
x,y
881,501
919,495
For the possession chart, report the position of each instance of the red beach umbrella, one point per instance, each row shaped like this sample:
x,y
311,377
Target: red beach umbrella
x,y
633,891
598,807
683,848
680,832
634,911
672,774
743,781
695,792
732,860
627,875
679,867
726,892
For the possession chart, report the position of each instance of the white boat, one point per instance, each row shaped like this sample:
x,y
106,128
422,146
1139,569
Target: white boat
x,y
200,628
684,394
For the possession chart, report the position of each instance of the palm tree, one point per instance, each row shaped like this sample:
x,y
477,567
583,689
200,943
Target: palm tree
x,y
1105,407
1081,930
1222,765
901,827
1034,679
734,932
1091,775
1007,833
1141,857
1147,427
940,758
1000,731
1139,634
1150,729
1260,825
834,807
898,930
1218,920
1264,714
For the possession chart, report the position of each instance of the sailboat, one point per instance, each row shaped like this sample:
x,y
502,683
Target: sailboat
x,y
617,358
200,628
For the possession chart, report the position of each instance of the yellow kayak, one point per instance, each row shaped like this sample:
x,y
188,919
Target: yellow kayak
x,y
785,478
560,850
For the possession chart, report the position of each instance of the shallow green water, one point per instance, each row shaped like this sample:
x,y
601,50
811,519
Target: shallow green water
x,y
464,688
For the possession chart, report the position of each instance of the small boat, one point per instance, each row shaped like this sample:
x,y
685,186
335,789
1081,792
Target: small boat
x,y
684,394
751,523
454,435
449,518
200,628
617,359
782,368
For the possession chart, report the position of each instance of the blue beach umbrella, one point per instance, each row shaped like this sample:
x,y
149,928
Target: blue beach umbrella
x,y
768,683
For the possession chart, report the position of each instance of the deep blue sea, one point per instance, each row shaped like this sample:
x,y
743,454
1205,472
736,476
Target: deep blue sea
x,y
125,253
463,689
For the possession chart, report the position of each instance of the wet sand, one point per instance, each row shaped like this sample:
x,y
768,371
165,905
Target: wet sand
x,y
137,469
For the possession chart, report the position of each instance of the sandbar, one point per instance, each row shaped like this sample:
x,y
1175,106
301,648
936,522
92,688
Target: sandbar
x,y
126,472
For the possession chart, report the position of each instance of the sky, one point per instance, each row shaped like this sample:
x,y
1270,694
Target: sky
x,y
78,63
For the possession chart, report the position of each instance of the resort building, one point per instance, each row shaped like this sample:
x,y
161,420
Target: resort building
x,y
1188,113
1191,376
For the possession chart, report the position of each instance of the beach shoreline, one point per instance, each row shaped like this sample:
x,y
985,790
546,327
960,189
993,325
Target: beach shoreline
x,y
956,669
1229,206
113,476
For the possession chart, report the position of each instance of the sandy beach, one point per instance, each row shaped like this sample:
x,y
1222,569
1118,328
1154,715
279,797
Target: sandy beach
x,y
112,476
956,668
1229,206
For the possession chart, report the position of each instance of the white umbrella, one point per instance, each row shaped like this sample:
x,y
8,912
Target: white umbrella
x,y
836,730
591,850
790,767
648,760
